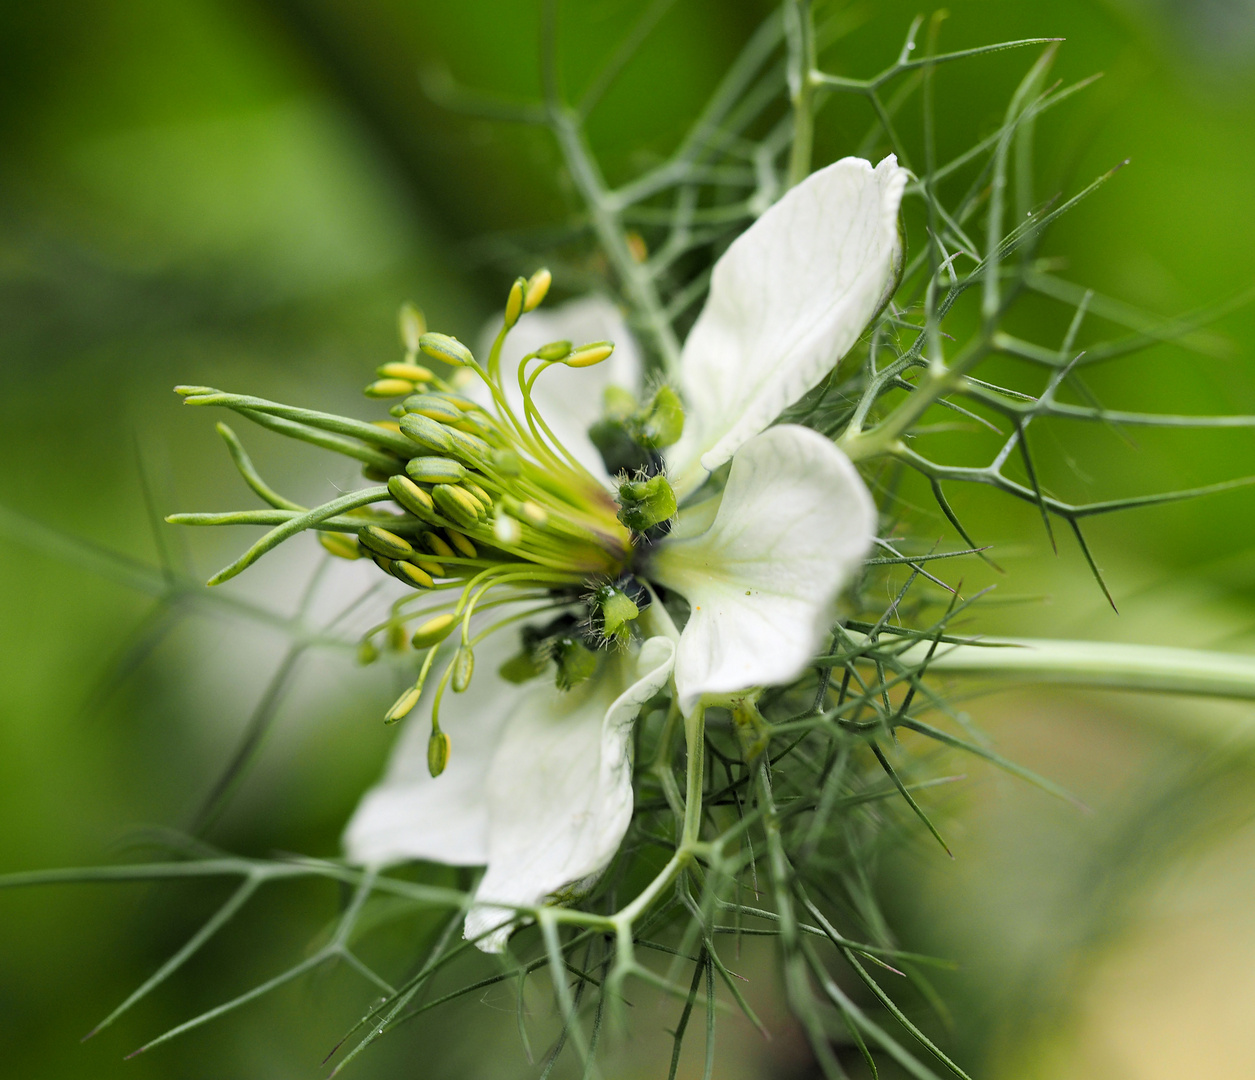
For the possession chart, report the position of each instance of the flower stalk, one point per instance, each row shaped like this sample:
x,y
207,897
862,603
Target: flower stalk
x,y
1152,669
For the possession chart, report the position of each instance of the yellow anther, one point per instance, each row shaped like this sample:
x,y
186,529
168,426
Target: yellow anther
x,y
410,574
463,668
383,542
386,388
467,446
481,511
433,407
435,470
433,568
437,546
588,355
339,545
426,432
388,425
433,631
514,302
536,289
437,753
403,705
415,373
478,492
412,497
462,543
446,348
459,506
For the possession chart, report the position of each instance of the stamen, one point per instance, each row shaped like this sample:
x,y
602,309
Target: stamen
x,y
438,748
410,496
433,407
435,470
446,348
460,541
403,705
434,631
411,574
514,302
493,509
386,388
537,289
438,546
463,668
385,543
411,372
460,506
339,545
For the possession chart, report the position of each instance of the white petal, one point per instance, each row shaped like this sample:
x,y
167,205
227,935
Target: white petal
x,y
787,300
569,399
410,815
560,787
794,523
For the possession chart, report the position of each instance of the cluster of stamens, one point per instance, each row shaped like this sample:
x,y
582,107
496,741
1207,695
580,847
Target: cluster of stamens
x,y
491,511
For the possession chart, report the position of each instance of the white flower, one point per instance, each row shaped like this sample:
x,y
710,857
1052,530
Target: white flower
x,y
539,787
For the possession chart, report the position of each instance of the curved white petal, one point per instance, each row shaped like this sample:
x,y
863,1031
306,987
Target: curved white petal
x,y
787,300
794,523
560,788
569,399
410,815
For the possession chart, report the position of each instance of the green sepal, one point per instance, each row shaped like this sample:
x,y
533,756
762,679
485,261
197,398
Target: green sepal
x,y
646,503
661,423
437,753
613,613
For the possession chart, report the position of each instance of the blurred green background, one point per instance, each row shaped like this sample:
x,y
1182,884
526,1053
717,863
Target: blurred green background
x,y
240,194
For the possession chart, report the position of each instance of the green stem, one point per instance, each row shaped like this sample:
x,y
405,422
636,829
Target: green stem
x,y
802,85
637,283
695,746
936,382
1108,665
308,520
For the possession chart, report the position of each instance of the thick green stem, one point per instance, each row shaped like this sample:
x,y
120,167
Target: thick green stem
x,y
695,745
1112,666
